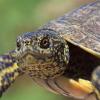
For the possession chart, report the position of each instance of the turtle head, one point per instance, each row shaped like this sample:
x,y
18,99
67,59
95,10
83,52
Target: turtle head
x,y
43,54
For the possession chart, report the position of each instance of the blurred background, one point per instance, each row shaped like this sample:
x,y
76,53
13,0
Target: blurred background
x,y
17,16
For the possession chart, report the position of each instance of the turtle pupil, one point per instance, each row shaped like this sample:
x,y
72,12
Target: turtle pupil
x,y
44,43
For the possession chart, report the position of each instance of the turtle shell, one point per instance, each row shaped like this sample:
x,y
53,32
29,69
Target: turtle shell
x,y
80,27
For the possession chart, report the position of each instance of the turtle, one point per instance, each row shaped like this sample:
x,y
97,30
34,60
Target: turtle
x,y
63,56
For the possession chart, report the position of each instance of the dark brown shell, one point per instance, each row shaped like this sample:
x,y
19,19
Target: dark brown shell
x,y
81,27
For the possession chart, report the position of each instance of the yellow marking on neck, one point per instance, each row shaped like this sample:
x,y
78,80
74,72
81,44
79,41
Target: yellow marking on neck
x,y
5,60
1,59
10,69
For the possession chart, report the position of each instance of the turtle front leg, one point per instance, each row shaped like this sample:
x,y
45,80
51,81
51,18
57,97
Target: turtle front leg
x,y
9,71
96,81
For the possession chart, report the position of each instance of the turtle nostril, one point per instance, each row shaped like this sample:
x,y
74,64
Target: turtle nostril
x,y
27,43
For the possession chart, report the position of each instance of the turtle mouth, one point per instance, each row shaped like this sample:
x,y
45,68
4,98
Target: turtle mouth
x,y
29,54
39,66
29,58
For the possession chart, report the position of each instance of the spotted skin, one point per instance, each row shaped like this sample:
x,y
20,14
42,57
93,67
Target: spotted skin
x,y
42,62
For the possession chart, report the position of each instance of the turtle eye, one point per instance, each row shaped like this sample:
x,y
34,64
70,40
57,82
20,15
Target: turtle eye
x,y
45,43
